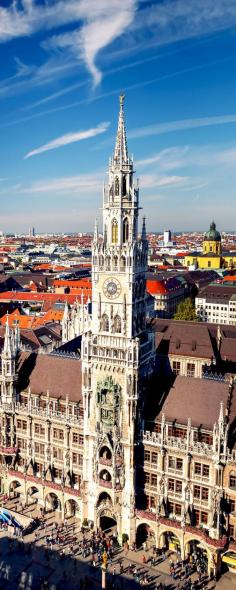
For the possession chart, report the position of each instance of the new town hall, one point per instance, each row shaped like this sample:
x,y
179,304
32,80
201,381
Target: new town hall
x,y
138,430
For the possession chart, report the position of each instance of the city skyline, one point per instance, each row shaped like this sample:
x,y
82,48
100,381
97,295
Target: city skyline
x,y
65,64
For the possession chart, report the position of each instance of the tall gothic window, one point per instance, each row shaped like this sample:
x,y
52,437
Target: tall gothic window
x,y
117,186
114,231
105,323
124,186
117,324
108,263
125,230
122,263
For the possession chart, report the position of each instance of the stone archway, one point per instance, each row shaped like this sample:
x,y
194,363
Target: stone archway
x,y
52,502
169,540
107,521
199,553
32,495
72,508
145,534
106,518
15,488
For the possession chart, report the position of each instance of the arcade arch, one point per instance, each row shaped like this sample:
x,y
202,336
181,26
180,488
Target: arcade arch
x,y
145,534
52,502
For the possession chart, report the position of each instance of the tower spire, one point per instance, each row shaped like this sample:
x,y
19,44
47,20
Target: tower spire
x,y
144,232
121,150
7,348
95,235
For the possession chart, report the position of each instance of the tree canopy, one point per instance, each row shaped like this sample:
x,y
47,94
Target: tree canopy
x,y
186,311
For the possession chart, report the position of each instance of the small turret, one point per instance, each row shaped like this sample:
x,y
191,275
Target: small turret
x,y
95,235
8,375
144,231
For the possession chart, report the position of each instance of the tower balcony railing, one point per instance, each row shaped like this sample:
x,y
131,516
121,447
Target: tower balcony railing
x,y
105,484
105,461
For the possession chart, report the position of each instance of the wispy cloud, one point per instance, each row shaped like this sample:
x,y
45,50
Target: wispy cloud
x,y
166,159
67,139
181,125
80,184
100,23
55,95
171,21
190,155
104,23
154,180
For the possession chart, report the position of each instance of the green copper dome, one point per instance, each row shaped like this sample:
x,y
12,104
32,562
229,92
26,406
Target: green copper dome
x,y
212,235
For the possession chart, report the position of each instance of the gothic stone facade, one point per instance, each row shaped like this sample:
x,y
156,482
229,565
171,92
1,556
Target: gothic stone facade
x,y
109,435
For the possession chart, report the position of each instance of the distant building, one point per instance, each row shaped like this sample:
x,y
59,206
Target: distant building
x,y
167,293
212,255
216,303
167,237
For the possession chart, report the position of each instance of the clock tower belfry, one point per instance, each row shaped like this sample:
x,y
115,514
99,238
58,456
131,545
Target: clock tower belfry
x,y
117,353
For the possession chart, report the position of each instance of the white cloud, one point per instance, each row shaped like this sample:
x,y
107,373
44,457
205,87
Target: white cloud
x,y
104,22
67,139
181,125
171,21
100,23
190,155
154,180
83,183
167,159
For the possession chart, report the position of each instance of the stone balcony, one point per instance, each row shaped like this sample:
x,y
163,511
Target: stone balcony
x,y
8,450
105,484
180,444
47,413
105,461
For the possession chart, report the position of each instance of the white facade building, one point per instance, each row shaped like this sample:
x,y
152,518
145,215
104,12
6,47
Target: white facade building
x,y
216,307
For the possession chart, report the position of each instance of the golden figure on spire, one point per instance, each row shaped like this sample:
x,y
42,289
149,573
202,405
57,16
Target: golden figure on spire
x,y
122,98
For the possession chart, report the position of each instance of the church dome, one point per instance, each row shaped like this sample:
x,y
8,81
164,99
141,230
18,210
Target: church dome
x,y
212,235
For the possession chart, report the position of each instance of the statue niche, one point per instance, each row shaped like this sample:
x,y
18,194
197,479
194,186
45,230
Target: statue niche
x,y
108,399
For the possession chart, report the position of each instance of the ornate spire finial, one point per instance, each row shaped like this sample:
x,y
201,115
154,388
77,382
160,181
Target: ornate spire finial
x,y
7,348
144,232
95,235
121,150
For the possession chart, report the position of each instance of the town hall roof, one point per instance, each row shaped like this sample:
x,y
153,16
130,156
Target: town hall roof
x,y
56,374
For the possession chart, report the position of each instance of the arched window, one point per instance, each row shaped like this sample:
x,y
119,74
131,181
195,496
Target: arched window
x,y
125,230
117,324
124,186
117,186
101,261
115,261
105,323
108,263
122,263
114,231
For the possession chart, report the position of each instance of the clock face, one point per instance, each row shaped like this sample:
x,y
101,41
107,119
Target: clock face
x,y
111,288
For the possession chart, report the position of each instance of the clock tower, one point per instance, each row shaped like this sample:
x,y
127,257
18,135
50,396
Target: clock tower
x,y
117,352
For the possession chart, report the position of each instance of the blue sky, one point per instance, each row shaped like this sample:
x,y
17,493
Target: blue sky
x,y
63,65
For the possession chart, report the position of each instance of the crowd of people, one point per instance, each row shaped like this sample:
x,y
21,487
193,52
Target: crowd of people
x,y
100,550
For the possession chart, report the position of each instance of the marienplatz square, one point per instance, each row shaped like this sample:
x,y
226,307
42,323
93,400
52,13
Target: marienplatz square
x,y
135,431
